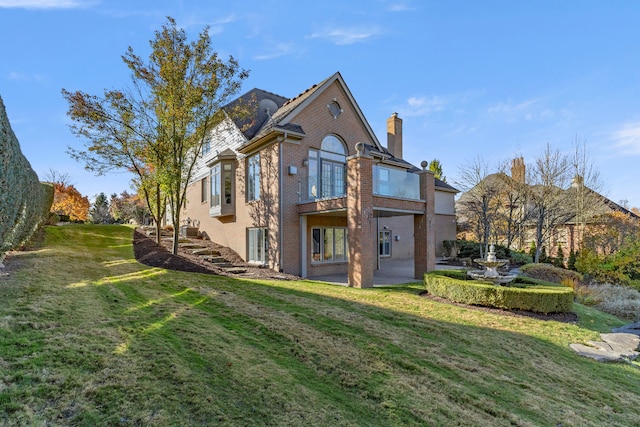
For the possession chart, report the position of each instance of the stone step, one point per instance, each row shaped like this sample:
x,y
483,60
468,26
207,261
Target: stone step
x,y
189,245
205,251
235,270
215,259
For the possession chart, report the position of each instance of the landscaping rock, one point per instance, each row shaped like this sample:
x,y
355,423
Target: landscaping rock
x,y
614,347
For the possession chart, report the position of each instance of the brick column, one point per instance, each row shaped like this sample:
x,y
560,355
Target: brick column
x,y
423,228
360,221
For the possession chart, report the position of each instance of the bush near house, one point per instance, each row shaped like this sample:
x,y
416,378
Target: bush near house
x,y
522,294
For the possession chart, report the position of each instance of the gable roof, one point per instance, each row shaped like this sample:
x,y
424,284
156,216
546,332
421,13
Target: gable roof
x,y
283,118
259,104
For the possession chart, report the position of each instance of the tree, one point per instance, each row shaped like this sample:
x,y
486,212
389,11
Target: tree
x,y
478,206
127,207
548,202
158,128
587,202
436,167
100,210
69,202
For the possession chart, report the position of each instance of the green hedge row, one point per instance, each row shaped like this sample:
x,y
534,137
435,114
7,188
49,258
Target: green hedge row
x,y
24,201
523,294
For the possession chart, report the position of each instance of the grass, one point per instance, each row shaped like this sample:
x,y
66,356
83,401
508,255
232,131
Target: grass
x,y
88,336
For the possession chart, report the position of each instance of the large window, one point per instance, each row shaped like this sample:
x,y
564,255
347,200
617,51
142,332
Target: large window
x,y
253,177
328,244
327,169
257,245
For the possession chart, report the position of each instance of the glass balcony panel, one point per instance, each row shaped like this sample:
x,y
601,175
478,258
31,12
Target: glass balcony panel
x,y
392,182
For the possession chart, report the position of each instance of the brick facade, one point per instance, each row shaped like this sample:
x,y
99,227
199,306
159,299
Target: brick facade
x,y
285,211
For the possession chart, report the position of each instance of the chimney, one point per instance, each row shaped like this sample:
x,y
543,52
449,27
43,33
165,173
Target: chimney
x,y
518,169
394,135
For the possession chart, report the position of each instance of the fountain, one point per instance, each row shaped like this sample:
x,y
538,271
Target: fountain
x,y
491,264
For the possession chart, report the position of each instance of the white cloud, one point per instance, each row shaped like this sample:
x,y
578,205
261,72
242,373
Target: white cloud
x,y
280,49
400,7
529,110
421,106
46,4
20,77
346,36
628,138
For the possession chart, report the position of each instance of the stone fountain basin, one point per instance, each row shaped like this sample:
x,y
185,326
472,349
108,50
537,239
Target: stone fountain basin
x,y
500,279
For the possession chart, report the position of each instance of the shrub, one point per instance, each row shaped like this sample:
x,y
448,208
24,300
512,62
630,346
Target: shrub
x,y
471,250
613,299
520,258
526,294
549,273
571,264
558,261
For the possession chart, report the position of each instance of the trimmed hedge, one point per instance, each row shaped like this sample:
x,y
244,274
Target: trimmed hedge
x,y
24,201
523,294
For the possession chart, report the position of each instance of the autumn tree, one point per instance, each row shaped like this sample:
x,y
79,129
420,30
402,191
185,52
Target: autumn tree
x,y
126,207
158,127
69,202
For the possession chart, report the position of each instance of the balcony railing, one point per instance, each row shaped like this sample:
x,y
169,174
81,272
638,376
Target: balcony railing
x,y
392,182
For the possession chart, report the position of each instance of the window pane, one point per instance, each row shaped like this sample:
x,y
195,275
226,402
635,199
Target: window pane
x,y
338,180
315,246
340,244
328,244
253,178
204,191
215,185
333,145
313,174
227,184
327,181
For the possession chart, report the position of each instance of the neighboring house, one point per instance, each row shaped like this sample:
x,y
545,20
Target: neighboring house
x,y
507,205
303,186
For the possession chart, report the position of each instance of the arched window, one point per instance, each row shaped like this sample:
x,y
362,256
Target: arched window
x,y
327,169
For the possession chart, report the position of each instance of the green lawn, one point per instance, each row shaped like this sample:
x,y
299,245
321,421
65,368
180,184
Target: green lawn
x,y
88,336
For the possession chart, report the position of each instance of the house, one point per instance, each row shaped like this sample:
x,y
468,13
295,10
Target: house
x,y
303,186
507,203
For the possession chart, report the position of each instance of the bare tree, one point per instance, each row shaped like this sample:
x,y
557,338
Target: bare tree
x,y
548,202
585,187
478,207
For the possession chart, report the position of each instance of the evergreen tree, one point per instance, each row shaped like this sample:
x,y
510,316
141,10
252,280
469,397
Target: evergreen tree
x,y
100,210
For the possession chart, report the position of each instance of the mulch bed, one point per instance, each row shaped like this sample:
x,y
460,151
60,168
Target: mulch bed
x,y
148,252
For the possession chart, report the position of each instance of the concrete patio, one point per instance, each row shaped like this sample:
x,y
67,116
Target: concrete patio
x,y
391,272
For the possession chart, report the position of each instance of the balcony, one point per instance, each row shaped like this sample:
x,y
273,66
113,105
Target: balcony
x,y
395,182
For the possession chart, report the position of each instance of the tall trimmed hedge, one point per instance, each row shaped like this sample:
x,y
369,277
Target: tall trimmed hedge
x,y
24,200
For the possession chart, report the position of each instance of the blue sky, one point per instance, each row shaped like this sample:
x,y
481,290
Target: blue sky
x,y
469,78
